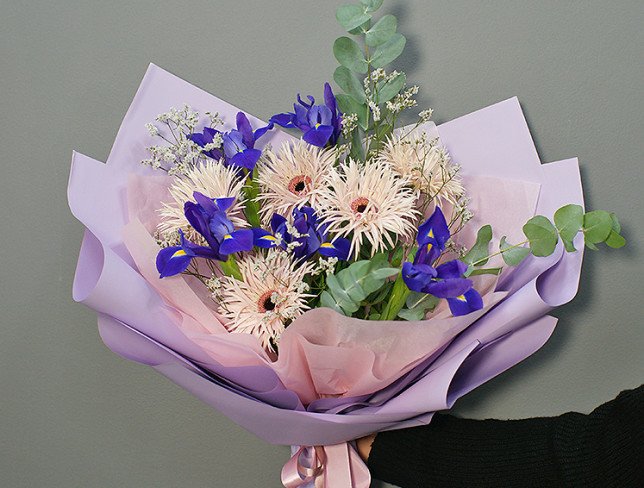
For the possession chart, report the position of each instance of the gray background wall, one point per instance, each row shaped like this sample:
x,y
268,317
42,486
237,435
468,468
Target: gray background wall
x,y
74,414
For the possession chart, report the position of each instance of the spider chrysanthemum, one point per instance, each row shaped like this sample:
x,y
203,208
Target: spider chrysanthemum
x,y
427,165
212,179
272,294
369,203
292,177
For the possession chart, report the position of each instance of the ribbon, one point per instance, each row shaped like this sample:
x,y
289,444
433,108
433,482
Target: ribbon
x,y
336,466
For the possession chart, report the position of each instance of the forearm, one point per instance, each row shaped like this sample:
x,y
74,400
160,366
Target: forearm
x,y
600,449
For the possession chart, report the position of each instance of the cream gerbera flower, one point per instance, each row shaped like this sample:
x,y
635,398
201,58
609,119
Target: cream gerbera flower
x,y
272,294
292,177
369,201
427,165
212,179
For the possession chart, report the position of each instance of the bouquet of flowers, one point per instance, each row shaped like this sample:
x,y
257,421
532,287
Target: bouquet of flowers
x,y
337,278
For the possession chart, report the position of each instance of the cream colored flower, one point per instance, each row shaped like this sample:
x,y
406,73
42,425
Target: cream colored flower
x,y
292,177
427,165
272,294
212,179
371,203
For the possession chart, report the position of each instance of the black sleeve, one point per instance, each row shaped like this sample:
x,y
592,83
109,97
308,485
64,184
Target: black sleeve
x,y
603,449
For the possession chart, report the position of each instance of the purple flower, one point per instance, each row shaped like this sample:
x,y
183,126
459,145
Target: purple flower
x,y
443,281
208,217
238,144
176,259
320,124
308,235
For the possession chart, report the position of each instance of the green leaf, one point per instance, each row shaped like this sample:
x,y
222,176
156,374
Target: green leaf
x,y
417,299
251,205
478,255
569,220
371,5
391,88
349,54
512,255
387,52
326,300
350,83
381,31
483,271
231,268
615,240
348,288
351,16
412,315
616,225
361,29
542,235
396,302
597,226
340,295
349,105
357,150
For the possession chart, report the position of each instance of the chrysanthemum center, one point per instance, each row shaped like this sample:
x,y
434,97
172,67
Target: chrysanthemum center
x,y
359,205
265,302
299,185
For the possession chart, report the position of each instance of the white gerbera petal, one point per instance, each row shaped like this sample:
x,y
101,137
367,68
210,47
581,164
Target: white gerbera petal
x,y
212,179
292,177
271,295
368,201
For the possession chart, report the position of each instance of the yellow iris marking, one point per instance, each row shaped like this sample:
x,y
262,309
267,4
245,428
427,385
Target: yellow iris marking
x,y
179,253
270,238
228,236
326,244
461,298
317,125
430,233
429,247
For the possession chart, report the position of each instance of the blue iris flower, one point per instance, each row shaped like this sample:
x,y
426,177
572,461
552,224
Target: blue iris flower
x,y
306,232
238,144
208,217
320,124
443,281
176,259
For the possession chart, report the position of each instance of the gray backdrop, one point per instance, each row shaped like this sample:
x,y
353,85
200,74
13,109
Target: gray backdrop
x,y
74,414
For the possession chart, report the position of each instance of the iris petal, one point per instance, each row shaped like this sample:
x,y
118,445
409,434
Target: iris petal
x,y
318,136
469,302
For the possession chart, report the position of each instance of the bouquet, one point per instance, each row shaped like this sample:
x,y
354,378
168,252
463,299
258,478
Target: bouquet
x,y
328,274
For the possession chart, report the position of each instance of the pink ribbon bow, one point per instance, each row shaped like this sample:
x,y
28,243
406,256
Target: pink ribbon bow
x,y
336,466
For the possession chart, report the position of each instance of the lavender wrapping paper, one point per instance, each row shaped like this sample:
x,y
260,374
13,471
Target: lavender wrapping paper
x,y
135,322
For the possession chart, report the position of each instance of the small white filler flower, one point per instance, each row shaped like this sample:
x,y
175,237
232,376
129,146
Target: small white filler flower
x,y
369,202
427,165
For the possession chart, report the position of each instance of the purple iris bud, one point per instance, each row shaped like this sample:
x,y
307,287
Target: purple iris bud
x,y
320,124
238,144
433,234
